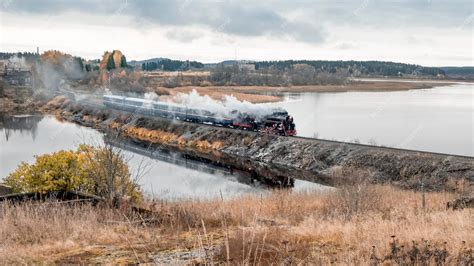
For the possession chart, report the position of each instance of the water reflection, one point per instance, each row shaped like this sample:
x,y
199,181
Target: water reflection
x,y
174,175
27,136
19,123
438,120
170,175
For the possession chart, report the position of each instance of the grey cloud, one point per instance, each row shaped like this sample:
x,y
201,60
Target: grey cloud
x,y
265,18
306,32
229,17
430,13
346,46
183,35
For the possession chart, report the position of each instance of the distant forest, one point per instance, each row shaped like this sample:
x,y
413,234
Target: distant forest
x,y
357,68
459,72
171,65
354,68
26,55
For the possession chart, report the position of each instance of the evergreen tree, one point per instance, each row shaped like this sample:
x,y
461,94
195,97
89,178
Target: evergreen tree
x,y
123,62
111,63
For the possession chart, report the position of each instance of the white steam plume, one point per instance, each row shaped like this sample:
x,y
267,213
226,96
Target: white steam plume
x,y
224,108
151,96
16,63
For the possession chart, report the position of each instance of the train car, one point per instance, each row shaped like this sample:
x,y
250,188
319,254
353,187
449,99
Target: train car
x,y
113,100
278,122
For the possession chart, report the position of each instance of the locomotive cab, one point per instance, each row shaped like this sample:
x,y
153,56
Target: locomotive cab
x,y
279,125
290,126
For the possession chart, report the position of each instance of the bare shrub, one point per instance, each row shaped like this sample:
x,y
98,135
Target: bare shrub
x,y
356,197
172,82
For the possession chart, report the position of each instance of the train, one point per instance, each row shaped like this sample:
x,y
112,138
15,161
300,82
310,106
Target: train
x,y
277,122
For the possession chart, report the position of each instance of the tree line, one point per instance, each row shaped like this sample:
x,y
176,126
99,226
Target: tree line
x,y
356,67
171,65
26,55
301,74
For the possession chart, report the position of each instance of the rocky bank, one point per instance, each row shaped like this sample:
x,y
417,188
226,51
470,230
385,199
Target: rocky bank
x,y
279,159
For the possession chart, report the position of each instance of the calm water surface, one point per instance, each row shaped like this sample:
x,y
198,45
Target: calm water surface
x,y
168,176
438,120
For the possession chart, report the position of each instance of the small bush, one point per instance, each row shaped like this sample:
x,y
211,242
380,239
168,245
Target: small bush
x,y
356,197
95,170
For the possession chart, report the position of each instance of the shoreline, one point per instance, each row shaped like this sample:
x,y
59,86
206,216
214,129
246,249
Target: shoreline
x,y
267,156
268,94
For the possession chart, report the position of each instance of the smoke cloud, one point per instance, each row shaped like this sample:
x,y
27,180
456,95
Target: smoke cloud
x,y
228,107
56,70
16,62
49,76
151,96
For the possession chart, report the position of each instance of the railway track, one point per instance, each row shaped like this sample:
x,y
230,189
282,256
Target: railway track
x,y
385,148
98,103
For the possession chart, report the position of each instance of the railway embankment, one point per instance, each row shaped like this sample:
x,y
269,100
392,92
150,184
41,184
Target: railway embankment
x,y
279,159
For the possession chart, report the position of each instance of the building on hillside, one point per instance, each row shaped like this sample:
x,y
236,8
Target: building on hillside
x,y
246,66
18,77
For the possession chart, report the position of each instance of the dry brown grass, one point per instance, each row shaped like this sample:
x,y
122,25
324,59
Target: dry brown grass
x,y
265,94
281,227
353,86
163,137
45,232
217,93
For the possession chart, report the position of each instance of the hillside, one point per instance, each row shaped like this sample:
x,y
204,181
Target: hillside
x,y
459,72
356,68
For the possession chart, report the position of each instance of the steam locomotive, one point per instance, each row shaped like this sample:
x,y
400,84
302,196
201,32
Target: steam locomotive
x,y
278,122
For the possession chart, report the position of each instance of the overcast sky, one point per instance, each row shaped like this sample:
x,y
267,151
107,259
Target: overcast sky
x,y
427,32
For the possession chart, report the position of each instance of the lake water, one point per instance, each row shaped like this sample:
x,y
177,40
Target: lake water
x,y
440,119
168,176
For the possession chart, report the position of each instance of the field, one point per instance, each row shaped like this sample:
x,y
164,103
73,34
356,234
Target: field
x,y
360,224
265,94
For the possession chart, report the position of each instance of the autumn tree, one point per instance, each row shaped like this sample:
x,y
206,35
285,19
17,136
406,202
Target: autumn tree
x,y
100,171
61,170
